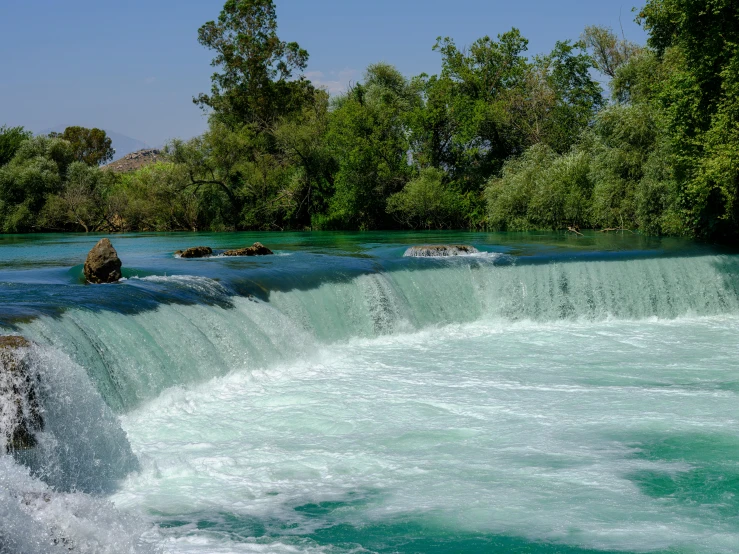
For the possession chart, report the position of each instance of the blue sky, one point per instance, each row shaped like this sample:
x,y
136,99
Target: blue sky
x,y
133,66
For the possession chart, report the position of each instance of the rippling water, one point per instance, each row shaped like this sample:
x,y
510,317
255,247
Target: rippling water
x,y
550,394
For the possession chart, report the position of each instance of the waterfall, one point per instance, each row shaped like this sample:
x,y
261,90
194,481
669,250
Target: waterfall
x,y
95,361
133,357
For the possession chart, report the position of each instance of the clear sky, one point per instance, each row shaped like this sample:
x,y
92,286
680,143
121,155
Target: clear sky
x,y
133,66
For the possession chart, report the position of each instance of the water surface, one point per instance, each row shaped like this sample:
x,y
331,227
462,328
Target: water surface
x,y
553,393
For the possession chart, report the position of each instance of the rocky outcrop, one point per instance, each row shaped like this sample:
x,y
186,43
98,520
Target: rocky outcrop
x,y
20,412
135,160
440,250
257,249
102,264
195,252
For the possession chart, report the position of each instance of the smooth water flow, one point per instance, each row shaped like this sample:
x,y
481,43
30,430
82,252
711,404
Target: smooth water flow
x,y
542,395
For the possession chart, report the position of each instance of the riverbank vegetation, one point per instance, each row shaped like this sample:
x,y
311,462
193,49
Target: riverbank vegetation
x,y
497,139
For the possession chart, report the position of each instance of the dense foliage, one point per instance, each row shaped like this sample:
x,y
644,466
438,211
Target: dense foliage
x,y
663,156
498,139
90,146
11,139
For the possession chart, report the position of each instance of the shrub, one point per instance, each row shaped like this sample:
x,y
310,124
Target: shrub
x,y
426,202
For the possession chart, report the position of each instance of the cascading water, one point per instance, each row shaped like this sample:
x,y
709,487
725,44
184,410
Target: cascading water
x,y
81,449
134,357
257,410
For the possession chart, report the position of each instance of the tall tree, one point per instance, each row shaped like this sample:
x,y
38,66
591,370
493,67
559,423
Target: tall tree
x,y
302,144
475,82
256,83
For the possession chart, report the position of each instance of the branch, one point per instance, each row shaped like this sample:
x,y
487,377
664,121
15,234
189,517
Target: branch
x,y
221,184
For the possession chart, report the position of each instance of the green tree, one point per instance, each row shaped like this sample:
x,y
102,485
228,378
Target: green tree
x,y
90,146
642,78
155,198
474,83
256,84
11,139
620,144
490,103
368,137
38,169
215,165
700,100
573,96
302,145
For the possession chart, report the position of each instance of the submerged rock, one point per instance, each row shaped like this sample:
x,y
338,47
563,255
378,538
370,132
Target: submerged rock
x,y
196,252
20,412
257,249
440,250
102,264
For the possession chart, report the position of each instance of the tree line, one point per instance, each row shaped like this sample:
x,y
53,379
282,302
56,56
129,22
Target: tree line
x,y
498,139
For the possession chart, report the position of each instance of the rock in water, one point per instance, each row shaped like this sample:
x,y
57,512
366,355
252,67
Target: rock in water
x,y
20,412
440,250
257,249
102,264
261,250
196,252
238,252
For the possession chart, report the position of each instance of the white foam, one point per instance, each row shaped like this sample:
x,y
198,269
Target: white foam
x,y
487,428
36,519
441,251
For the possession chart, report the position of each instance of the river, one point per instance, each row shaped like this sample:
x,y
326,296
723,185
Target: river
x,y
549,394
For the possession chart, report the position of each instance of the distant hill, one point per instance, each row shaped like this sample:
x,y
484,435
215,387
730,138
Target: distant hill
x,y
122,144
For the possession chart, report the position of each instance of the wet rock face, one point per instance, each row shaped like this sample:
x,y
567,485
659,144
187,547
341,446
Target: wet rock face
x,y
440,250
20,412
195,252
102,264
257,249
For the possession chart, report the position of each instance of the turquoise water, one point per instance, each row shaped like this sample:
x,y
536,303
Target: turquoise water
x,y
551,394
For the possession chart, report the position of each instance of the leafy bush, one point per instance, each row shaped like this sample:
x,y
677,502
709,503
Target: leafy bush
x,y
541,190
426,202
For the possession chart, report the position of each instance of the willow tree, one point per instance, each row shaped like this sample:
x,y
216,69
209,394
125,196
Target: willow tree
x,y
11,139
37,170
